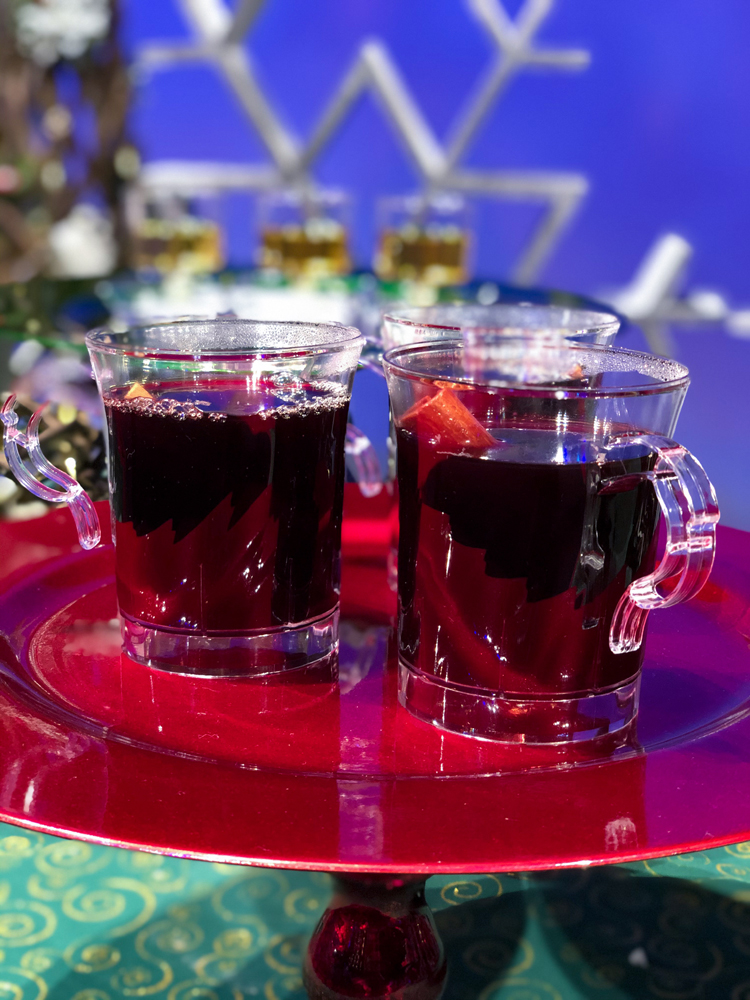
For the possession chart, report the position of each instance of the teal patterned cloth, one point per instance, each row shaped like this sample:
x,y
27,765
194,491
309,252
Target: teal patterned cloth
x,y
80,922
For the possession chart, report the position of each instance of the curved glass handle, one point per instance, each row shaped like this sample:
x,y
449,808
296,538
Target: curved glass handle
x,y
688,503
71,492
373,363
362,462
372,356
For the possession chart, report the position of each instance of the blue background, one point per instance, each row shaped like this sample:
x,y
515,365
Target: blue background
x,y
659,122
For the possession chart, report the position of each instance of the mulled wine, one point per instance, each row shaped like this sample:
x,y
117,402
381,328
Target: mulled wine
x,y
227,503
514,553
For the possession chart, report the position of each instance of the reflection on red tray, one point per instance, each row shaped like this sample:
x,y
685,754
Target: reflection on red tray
x,y
303,774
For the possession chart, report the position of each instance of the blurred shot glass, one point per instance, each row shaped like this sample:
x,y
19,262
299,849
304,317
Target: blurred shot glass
x,y
304,234
423,238
169,233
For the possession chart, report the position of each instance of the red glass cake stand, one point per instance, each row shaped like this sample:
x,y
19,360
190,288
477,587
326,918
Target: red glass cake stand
x,y
300,774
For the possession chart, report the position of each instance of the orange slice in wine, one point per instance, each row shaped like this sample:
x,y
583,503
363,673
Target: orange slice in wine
x,y
444,419
137,391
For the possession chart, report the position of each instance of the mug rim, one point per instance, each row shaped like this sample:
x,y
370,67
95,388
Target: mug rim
x,y
682,380
409,316
105,340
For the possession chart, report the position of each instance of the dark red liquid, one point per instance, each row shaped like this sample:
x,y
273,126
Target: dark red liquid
x,y
511,564
227,505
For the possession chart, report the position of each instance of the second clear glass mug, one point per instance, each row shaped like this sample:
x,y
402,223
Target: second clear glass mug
x,y
532,476
419,324
471,321
226,451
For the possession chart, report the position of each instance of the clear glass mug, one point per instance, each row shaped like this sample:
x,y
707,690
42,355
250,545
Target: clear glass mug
x,y
533,477
471,321
466,319
226,449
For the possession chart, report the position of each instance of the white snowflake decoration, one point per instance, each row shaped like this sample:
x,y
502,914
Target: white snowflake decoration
x,y
219,31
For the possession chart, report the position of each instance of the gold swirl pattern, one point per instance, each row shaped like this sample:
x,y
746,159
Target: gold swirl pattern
x,y
24,922
83,922
458,892
38,887
59,864
94,957
17,847
520,989
467,889
690,860
231,950
741,850
96,906
68,860
237,942
142,980
121,887
217,969
38,959
177,937
193,989
282,986
286,956
21,984
159,873
300,904
738,873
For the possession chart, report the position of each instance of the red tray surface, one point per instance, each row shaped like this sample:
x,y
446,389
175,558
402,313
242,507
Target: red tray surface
x,y
302,776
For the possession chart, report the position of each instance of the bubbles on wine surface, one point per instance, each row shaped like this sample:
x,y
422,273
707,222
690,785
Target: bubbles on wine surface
x,y
215,400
